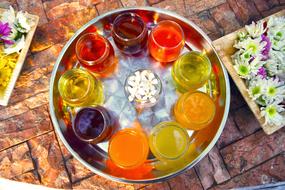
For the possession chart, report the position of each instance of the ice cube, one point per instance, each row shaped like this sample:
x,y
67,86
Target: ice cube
x,y
170,99
145,117
127,116
111,86
162,115
115,104
122,73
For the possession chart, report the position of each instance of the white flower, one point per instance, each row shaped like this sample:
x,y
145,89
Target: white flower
x,y
255,29
253,46
275,65
16,47
9,16
243,69
255,65
274,90
273,114
23,24
242,36
256,88
275,21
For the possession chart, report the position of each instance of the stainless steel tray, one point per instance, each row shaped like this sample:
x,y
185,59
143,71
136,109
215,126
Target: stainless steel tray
x,y
94,157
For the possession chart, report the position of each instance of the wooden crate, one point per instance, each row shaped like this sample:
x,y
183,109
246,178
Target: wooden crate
x,y
225,49
4,98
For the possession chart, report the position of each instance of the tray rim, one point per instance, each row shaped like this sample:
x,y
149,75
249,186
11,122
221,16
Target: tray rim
x,y
21,59
144,181
223,51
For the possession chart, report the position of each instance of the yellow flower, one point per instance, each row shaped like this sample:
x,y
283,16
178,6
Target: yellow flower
x,y
5,74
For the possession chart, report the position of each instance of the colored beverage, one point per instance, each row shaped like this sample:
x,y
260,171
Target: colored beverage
x,y
78,87
168,141
93,124
128,148
194,110
95,53
191,71
129,33
166,41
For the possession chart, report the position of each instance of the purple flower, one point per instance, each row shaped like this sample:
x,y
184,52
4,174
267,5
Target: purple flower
x,y
5,31
262,72
266,49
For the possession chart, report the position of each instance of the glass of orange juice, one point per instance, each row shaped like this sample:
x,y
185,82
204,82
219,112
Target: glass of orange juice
x,y
128,148
194,110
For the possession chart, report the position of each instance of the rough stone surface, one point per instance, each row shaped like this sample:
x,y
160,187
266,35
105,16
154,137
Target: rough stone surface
x,y
33,7
253,150
212,169
196,6
265,5
173,5
220,172
77,170
204,170
244,10
15,161
237,100
270,172
108,6
61,29
133,3
29,177
187,180
151,2
246,121
49,161
226,18
24,106
97,182
64,9
230,134
205,21
30,152
24,126
5,4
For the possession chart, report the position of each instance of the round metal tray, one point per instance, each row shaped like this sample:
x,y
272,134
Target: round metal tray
x,y
94,157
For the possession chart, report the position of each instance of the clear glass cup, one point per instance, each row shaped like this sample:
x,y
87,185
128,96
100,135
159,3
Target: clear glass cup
x,y
129,33
93,124
166,41
194,110
168,141
128,148
95,53
78,88
152,91
191,71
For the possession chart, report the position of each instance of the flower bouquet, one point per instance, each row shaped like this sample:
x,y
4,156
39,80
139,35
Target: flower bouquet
x,y
16,31
260,61
255,58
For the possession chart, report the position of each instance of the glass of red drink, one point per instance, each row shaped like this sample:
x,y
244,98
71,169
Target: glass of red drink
x,y
93,124
129,33
95,53
166,41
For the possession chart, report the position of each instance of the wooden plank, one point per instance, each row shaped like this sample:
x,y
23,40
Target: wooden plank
x,y
225,49
4,98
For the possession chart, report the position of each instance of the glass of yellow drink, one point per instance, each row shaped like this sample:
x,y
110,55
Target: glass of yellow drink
x,y
191,71
168,141
78,88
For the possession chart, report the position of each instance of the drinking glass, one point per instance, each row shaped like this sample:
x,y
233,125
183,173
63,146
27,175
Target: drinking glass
x,y
129,33
166,41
